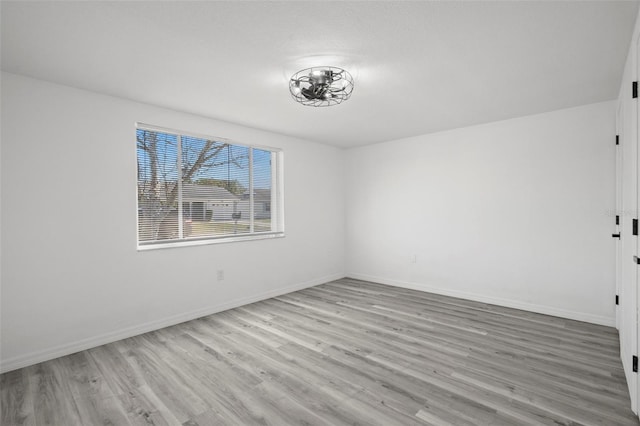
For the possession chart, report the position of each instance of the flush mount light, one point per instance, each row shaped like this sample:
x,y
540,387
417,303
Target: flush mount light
x,y
321,86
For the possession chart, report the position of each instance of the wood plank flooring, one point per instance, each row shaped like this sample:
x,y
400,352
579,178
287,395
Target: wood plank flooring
x,y
347,352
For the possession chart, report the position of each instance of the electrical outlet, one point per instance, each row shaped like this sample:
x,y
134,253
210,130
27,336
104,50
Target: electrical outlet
x,y
220,274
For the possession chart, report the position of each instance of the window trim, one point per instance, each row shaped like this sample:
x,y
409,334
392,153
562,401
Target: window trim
x,y
211,240
277,188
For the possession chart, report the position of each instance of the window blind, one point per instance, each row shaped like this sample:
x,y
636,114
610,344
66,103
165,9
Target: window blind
x,y
193,188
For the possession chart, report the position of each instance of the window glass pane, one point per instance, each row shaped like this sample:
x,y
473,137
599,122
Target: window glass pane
x,y
214,175
262,179
157,185
238,172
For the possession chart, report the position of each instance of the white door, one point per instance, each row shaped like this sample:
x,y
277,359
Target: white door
x,y
628,293
628,246
631,123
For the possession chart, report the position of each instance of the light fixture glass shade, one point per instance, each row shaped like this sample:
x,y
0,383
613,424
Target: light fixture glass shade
x,y
321,86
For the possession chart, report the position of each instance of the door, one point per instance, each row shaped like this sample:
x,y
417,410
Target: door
x,y
626,121
197,210
632,126
627,307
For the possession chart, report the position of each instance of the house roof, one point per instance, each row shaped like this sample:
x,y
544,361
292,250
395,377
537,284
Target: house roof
x,y
192,191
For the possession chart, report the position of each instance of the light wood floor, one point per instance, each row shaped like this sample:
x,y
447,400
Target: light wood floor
x,y
346,352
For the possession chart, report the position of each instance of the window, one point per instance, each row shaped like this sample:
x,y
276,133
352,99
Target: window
x,y
197,190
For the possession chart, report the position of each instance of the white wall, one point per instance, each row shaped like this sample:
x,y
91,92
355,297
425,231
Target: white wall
x,y
517,212
71,275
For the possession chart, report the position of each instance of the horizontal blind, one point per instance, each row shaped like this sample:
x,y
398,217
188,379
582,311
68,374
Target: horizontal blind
x,y
157,185
262,191
193,188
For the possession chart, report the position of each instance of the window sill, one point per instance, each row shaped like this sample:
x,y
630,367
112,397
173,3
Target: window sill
x,y
202,242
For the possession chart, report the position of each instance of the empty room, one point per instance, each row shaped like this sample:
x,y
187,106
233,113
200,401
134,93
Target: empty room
x,y
319,213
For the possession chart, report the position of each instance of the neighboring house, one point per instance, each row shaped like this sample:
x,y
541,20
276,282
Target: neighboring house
x,y
261,204
202,202
205,202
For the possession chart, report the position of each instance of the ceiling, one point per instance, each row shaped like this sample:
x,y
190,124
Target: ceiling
x,y
419,67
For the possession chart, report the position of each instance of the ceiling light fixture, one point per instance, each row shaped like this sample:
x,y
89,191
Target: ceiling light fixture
x,y
321,86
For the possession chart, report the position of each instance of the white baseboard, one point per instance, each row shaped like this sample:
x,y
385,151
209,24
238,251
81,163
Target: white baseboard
x,y
91,342
83,344
508,303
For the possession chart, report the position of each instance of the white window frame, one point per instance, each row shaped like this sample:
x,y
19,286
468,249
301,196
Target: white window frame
x,y
277,196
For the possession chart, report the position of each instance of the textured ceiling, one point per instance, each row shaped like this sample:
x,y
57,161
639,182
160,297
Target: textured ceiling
x,y
419,67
